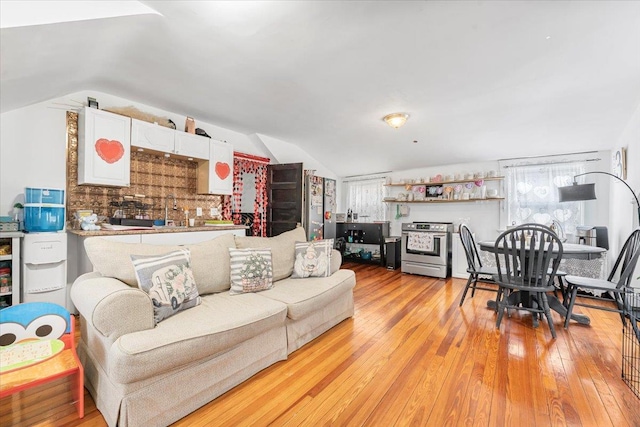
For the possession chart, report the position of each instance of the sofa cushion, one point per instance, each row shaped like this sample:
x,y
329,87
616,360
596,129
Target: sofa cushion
x,y
282,249
251,270
312,259
168,280
113,259
221,322
210,263
313,293
209,260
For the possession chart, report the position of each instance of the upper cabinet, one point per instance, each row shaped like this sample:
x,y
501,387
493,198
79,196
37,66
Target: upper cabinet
x,y
216,175
104,148
151,136
156,138
194,146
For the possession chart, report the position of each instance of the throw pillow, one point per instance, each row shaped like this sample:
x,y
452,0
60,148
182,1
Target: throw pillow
x,y
251,270
313,259
282,249
168,280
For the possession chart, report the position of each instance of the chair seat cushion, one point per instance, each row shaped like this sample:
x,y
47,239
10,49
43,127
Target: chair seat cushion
x,y
588,282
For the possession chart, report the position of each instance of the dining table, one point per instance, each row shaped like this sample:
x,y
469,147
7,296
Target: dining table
x,y
570,251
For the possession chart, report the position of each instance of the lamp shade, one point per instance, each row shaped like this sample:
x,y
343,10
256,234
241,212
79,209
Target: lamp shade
x,y
575,192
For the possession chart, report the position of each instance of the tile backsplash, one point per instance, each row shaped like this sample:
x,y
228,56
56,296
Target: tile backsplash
x,y
153,176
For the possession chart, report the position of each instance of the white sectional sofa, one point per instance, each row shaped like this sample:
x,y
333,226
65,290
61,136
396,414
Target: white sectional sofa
x,y
144,374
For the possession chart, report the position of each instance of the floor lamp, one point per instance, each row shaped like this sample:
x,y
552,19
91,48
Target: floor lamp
x,y
578,192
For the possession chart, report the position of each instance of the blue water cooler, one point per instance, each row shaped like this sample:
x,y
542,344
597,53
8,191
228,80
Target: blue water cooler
x,y
44,247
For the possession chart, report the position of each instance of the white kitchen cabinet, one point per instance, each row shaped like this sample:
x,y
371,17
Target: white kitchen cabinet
x,y
79,262
216,175
151,136
186,238
160,139
193,146
458,258
104,148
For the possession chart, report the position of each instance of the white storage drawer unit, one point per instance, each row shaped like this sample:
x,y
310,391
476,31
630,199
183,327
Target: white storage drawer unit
x,y
44,268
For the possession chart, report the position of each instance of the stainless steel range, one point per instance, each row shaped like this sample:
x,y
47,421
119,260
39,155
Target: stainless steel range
x,y
426,248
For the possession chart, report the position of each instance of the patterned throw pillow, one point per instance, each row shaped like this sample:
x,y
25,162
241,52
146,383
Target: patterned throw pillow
x,y
251,270
168,280
313,259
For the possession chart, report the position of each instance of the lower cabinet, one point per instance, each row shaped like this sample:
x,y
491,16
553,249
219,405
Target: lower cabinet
x,y
79,263
458,258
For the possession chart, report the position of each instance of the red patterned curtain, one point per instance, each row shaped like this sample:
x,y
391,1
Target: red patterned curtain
x,y
246,163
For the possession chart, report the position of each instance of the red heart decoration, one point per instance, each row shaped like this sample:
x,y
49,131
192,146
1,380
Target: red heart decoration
x,y
222,170
109,151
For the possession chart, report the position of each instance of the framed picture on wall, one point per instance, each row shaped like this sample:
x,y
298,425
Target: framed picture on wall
x,y
619,163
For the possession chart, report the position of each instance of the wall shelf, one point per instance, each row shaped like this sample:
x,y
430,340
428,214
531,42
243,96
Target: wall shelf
x,y
435,184
489,199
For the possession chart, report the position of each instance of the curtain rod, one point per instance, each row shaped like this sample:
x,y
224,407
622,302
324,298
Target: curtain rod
x,y
362,178
251,157
550,163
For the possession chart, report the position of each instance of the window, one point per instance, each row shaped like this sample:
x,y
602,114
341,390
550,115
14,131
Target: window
x,y
364,197
532,195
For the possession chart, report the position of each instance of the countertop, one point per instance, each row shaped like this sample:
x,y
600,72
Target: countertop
x,y
157,230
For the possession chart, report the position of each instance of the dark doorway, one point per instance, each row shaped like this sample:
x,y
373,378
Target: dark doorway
x,y
284,193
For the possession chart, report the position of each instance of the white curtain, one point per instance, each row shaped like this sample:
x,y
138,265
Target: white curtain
x,y
364,197
532,195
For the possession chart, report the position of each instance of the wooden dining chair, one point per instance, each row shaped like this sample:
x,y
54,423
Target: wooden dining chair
x,y
527,259
37,346
475,267
617,284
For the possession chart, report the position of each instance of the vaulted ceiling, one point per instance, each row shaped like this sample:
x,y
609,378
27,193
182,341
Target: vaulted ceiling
x,y
481,80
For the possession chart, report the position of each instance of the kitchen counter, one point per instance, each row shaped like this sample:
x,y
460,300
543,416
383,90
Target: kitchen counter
x,y
159,230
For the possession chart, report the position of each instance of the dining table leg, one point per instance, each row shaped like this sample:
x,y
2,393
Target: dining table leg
x,y
554,304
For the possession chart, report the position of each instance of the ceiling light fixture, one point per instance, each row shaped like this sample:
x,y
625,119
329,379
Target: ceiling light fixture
x,y
395,120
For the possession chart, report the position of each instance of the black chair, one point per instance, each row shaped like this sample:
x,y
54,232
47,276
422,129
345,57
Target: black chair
x,y
474,265
618,284
531,254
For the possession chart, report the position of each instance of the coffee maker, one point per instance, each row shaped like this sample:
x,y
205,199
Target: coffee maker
x,y
593,236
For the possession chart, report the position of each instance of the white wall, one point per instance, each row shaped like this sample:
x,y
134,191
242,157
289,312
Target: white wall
x,y
623,211
32,152
482,217
286,152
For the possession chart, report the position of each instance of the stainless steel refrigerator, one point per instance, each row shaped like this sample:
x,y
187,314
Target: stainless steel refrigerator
x,y
319,207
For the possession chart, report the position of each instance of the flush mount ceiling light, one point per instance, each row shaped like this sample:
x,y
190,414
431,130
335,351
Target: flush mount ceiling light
x,y
395,120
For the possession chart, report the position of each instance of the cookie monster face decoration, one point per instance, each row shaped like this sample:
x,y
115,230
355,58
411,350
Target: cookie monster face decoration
x,y
33,321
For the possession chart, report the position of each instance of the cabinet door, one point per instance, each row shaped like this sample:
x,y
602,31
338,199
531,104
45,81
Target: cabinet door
x,y
104,144
152,137
216,175
193,146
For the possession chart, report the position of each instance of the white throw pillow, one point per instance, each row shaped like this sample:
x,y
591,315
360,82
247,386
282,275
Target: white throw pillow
x,y
168,280
251,270
313,259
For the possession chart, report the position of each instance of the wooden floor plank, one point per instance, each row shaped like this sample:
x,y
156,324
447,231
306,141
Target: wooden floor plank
x,y
411,356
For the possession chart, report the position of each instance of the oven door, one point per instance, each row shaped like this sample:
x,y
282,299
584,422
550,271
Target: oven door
x,y
425,247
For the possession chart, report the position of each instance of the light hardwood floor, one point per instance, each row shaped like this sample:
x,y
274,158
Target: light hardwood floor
x,y
411,356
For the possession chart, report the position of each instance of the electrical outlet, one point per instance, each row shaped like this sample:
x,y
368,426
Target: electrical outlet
x,y
214,211
198,211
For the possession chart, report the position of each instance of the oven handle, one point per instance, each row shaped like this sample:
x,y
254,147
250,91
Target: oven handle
x,y
440,235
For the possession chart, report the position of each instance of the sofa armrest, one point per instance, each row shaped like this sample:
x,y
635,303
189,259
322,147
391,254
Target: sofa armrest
x,y
336,260
110,306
